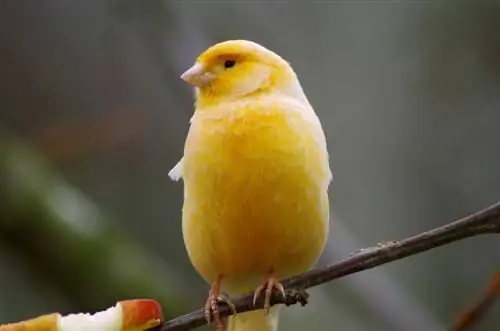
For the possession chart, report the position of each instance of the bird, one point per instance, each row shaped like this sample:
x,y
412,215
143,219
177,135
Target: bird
x,y
256,174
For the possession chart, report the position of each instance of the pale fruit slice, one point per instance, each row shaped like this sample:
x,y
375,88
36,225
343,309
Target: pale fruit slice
x,y
128,315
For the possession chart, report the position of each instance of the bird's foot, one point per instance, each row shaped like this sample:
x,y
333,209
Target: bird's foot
x,y
268,286
212,305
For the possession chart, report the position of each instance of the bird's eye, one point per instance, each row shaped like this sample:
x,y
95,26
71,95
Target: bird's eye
x,y
229,64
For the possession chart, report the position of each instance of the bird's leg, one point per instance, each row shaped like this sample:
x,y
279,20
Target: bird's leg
x,y
211,306
268,286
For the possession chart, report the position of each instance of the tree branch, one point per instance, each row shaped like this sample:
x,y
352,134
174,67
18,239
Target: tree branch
x,y
470,317
483,222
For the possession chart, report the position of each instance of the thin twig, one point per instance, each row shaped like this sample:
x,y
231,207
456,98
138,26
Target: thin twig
x,y
483,222
473,315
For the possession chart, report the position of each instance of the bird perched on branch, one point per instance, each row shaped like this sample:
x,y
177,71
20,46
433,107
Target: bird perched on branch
x,y
256,177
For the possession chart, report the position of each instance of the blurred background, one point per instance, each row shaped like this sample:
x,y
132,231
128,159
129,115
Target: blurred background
x,y
93,115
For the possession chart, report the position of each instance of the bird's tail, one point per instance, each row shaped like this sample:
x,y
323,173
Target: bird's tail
x,y
255,320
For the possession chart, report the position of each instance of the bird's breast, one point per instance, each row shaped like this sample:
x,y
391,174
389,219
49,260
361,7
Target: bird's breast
x,y
255,193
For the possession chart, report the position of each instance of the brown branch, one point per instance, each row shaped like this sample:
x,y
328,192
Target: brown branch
x,y
483,222
473,315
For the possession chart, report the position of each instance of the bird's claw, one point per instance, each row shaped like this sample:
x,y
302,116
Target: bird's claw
x,y
268,286
212,308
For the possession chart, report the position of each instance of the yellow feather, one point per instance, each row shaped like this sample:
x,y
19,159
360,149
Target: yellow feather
x,y
256,176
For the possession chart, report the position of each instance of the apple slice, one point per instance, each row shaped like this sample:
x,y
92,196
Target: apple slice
x,y
140,314
40,323
128,315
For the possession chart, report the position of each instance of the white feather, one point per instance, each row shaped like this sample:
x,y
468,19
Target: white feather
x,y
176,173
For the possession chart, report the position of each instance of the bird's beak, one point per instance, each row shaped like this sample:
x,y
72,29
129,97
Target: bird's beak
x,y
197,75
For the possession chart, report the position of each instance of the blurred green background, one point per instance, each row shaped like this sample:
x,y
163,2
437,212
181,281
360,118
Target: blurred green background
x,y
93,115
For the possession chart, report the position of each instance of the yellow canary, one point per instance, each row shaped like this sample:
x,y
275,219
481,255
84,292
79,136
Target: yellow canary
x,y
256,177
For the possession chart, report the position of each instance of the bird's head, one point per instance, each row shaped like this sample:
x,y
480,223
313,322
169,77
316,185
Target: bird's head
x,y
239,68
